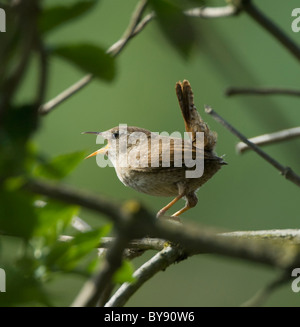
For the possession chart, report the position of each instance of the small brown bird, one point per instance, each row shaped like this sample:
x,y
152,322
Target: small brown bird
x,y
138,156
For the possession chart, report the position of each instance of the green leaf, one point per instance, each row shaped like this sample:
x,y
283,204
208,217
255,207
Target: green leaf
x,y
176,26
53,17
53,219
124,273
60,166
20,122
89,58
17,214
66,255
17,126
22,288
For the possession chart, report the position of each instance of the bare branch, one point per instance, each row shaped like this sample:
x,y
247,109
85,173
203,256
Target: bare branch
x,y
204,240
261,91
191,238
261,247
271,138
291,236
170,255
136,25
273,29
87,200
285,171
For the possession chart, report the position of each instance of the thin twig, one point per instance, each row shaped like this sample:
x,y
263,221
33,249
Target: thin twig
x,y
200,12
262,295
114,50
66,94
112,261
136,25
80,225
261,91
287,172
91,293
89,289
158,262
271,138
106,294
144,244
143,23
273,29
213,12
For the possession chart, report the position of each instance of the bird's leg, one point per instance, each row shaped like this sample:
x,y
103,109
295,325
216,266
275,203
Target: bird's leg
x,y
181,191
191,201
179,212
168,206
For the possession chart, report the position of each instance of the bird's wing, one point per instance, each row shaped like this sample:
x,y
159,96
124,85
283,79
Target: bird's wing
x,y
174,157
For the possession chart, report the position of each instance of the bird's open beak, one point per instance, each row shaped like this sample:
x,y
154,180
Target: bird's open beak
x,y
101,151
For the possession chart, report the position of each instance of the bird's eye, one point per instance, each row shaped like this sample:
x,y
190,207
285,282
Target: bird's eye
x,y
115,135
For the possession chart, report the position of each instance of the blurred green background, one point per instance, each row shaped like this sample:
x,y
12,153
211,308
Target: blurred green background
x,y
248,194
